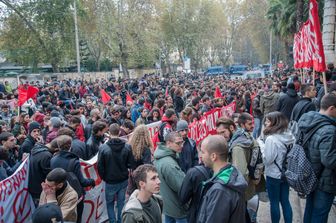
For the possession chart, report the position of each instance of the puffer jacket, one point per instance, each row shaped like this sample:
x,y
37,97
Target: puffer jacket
x,y
223,198
240,148
171,176
268,102
321,148
276,146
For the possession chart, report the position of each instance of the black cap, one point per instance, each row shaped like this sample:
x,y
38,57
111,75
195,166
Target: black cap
x,y
47,213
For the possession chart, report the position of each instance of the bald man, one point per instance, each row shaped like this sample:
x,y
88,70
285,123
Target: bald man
x,y
223,195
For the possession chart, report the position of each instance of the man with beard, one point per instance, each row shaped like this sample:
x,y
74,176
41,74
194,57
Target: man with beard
x,y
188,157
96,139
34,131
227,185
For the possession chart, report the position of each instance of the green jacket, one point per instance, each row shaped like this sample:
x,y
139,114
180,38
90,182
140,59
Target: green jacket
x,y
171,176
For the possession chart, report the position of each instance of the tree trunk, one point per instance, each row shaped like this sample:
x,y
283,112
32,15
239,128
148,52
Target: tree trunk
x,y
328,34
299,14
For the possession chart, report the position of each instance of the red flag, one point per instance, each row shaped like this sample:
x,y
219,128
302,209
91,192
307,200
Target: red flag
x,y
22,91
129,98
105,96
26,93
167,93
218,94
308,47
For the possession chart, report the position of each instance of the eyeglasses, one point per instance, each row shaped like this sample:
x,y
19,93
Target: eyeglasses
x,y
180,143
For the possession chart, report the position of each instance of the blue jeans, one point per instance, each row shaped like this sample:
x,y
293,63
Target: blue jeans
x,y
111,190
278,192
169,219
257,128
318,206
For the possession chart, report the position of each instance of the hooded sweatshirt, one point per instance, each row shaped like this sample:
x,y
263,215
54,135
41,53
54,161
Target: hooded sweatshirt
x,y
268,102
276,146
114,159
223,197
240,149
171,176
287,102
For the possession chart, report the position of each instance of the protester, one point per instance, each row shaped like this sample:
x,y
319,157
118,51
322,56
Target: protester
x,y
39,167
188,157
227,184
305,104
77,146
144,205
321,153
171,176
257,114
278,141
287,102
70,162
56,190
99,128
47,213
8,141
269,101
34,135
114,159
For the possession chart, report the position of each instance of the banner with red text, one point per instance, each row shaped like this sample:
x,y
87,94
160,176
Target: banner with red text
x,y
94,202
308,49
199,130
16,204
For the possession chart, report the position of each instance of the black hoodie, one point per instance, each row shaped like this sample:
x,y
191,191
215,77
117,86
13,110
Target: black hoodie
x,y
114,159
287,102
39,167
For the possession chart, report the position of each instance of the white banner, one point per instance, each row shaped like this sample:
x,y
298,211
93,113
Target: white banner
x,y
16,204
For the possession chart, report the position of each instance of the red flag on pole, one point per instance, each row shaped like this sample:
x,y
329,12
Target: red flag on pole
x,y
308,47
129,98
105,96
218,93
26,93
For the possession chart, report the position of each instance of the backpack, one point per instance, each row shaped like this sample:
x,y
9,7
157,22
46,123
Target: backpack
x,y
255,166
158,136
73,180
296,169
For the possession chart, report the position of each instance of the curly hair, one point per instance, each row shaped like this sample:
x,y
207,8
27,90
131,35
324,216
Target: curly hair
x,y
140,140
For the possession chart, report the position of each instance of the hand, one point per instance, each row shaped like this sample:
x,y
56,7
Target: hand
x,y
24,156
49,191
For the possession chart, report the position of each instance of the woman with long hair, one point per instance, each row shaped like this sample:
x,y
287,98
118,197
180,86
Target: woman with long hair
x,y
278,141
141,145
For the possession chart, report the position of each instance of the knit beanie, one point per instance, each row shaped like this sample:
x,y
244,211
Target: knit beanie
x,y
33,125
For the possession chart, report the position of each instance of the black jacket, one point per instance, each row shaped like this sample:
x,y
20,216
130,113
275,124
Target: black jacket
x,y
227,185
62,160
256,107
145,158
321,148
188,157
178,104
191,189
27,145
304,105
39,167
79,148
114,159
287,102
92,146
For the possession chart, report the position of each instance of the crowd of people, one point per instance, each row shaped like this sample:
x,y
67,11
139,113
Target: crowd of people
x,y
169,174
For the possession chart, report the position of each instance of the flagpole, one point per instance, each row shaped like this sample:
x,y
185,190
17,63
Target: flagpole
x,y
325,83
313,76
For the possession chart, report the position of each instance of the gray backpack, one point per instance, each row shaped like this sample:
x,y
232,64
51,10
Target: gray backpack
x,y
297,168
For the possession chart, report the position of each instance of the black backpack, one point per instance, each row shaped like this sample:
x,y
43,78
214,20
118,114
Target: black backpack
x,y
73,179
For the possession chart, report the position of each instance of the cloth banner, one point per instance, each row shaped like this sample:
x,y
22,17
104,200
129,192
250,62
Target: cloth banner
x,y
199,130
308,47
16,204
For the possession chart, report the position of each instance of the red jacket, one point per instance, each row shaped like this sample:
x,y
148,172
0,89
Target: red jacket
x,y
80,133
